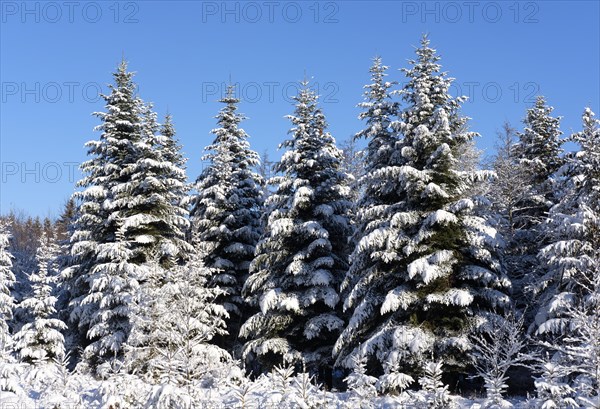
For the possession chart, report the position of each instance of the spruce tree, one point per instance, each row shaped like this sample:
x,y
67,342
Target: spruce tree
x,y
158,223
181,317
7,280
352,164
571,259
539,145
538,155
131,214
41,338
62,226
374,187
151,198
226,212
568,320
425,272
101,277
302,255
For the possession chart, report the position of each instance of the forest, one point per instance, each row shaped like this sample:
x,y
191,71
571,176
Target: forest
x,y
400,269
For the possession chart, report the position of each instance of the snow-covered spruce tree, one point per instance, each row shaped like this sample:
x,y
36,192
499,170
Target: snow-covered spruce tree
x,y
185,318
132,212
103,273
578,353
510,186
496,349
553,390
226,212
64,227
569,319
7,280
41,338
360,384
573,227
171,150
538,154
24,232
434,394
302,256
425,271
150,197
539,145
158,224
379,110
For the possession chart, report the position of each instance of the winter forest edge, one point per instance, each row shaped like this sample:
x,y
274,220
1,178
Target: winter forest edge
x,y
408,274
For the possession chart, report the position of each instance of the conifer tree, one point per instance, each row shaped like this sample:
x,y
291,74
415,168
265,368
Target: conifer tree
x,y
226,211
181,317
538,155
425,272
63,225
159,224
41,339
171,149
7,280
131,214
539,146
150,200
374,187
302,256
571,259
101,276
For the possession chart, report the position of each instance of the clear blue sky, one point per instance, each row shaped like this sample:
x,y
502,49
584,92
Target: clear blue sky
x,y
56,55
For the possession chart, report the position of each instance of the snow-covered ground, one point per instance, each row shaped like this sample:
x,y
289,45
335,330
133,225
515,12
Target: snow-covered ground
x,y
52,387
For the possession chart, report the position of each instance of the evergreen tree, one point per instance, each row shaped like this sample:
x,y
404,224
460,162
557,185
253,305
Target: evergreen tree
x,y
41,339
7,280
181,317
63,225
539,145
101,277
22,246
573,227
552,390
424,272
508,190
171,150
131,214
538,154
159,224
352,164
151,197
374,187
226,211
302,256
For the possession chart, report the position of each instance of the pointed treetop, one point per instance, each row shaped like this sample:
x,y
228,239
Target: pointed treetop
x,y
230,94
168,129
122,67
123,78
